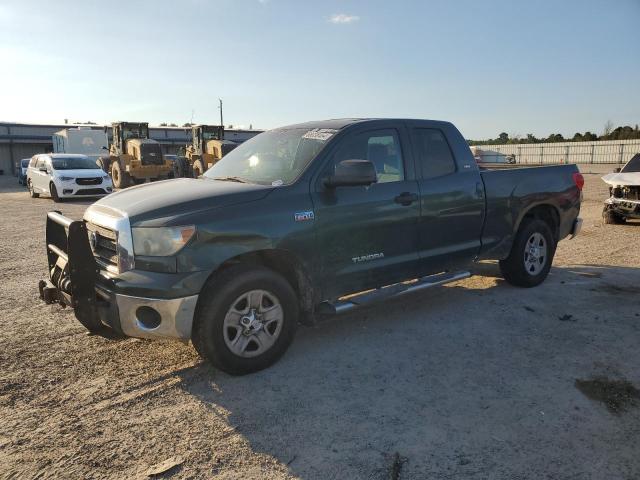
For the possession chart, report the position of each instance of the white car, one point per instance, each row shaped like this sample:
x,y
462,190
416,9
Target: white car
x,y
65,175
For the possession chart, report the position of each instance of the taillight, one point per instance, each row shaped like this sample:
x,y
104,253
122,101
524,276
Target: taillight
x,y
578,179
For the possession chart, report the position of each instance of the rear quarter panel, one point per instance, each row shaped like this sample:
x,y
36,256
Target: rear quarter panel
x,y
512,193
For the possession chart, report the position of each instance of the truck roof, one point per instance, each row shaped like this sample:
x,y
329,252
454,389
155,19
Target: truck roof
x,y
63,155
340,123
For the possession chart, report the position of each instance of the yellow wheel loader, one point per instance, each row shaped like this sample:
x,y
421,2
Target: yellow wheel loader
x,y
207,147
134,157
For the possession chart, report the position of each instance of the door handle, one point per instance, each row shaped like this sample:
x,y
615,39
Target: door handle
x,y
406,198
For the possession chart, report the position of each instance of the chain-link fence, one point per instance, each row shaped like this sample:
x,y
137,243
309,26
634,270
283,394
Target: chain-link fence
x,y
608,151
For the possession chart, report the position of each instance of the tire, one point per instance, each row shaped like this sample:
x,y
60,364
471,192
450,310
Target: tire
x,y
525,267
612,218
215,331
32,193
104,164
54,193
120,178
197,168
180,168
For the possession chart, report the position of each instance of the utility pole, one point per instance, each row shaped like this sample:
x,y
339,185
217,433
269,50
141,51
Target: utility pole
x,y
221,121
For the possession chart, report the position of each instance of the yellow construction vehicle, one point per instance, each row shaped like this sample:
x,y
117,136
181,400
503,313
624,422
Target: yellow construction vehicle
x,y
207,147
133,156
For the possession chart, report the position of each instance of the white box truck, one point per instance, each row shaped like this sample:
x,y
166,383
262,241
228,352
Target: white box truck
x,y
83,140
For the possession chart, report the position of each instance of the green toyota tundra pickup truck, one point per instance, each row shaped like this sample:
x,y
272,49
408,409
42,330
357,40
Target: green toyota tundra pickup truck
x,y
298,222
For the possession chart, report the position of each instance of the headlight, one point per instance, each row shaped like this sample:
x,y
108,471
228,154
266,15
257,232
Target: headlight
x,y
65,179
161,241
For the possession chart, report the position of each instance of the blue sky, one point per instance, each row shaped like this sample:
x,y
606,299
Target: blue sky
x,y
488,66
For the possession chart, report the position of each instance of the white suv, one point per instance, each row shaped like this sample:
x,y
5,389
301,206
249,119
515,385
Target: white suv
x,y
64,175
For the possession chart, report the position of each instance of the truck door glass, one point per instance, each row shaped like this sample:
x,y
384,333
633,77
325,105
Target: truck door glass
x,y
380,147
433,153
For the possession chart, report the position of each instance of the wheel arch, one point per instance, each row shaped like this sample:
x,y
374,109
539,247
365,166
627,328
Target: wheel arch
x,y
281,261
546,212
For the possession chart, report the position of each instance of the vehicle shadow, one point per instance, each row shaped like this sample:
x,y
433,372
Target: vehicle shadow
x,y
444,379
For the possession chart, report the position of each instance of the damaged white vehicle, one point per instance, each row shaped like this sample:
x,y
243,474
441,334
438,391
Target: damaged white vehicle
x,y
624,188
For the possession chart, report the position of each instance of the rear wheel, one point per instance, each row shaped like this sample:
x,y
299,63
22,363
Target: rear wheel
x,y
54,192
531,255
32,192
197,168
612,218
246,319
121,179
180,168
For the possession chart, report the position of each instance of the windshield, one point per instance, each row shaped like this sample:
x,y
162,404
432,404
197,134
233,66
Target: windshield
x,y
632,165
276,157
73,163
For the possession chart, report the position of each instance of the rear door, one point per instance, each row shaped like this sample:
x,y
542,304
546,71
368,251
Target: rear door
x,y
368,235
451,200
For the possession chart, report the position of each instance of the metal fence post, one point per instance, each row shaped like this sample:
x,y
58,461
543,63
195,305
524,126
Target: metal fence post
x,y
592,151
566,153
541,154
621,153
519,150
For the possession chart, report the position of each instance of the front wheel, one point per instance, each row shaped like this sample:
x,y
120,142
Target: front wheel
x,y
612,218
245,320
32,192
120,178
54,192
531,255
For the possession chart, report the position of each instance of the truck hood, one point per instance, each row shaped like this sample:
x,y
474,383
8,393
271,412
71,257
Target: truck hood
x,y
622,179
163,203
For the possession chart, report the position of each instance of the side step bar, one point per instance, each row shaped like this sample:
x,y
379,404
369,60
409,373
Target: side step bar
x,y
361,299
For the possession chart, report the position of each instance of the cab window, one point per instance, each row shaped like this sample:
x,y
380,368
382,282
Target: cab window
x,y
380,147
433,153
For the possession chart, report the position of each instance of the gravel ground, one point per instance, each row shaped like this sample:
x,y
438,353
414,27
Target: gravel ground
x,y
476,379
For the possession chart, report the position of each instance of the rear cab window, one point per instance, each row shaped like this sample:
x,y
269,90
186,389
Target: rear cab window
x,y
433,153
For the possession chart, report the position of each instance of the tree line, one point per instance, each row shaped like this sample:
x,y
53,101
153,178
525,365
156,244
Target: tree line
x,y
620,133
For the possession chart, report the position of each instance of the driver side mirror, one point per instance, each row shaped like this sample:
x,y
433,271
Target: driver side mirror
x,y
352,173
104,148
616,170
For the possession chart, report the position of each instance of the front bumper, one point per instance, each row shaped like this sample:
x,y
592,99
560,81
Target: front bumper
x,y
627,208
75,280
73,190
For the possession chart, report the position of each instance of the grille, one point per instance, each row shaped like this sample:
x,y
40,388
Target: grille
x,y
89,181
104,245
151,154
627,193
91,191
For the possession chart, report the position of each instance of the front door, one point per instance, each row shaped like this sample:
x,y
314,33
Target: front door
x,y
367,236
40,179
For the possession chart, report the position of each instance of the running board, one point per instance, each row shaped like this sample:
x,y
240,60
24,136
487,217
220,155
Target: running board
x,y
359,300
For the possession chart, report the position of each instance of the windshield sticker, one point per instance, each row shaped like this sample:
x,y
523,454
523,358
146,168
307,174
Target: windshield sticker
x,y
320,134
276,183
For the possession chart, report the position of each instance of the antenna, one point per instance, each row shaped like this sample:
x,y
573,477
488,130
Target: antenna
x,y
221,121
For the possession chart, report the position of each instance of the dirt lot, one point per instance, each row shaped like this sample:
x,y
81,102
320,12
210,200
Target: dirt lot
x,y
477,379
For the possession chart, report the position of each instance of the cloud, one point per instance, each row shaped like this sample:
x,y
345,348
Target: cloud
x,y
343,18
